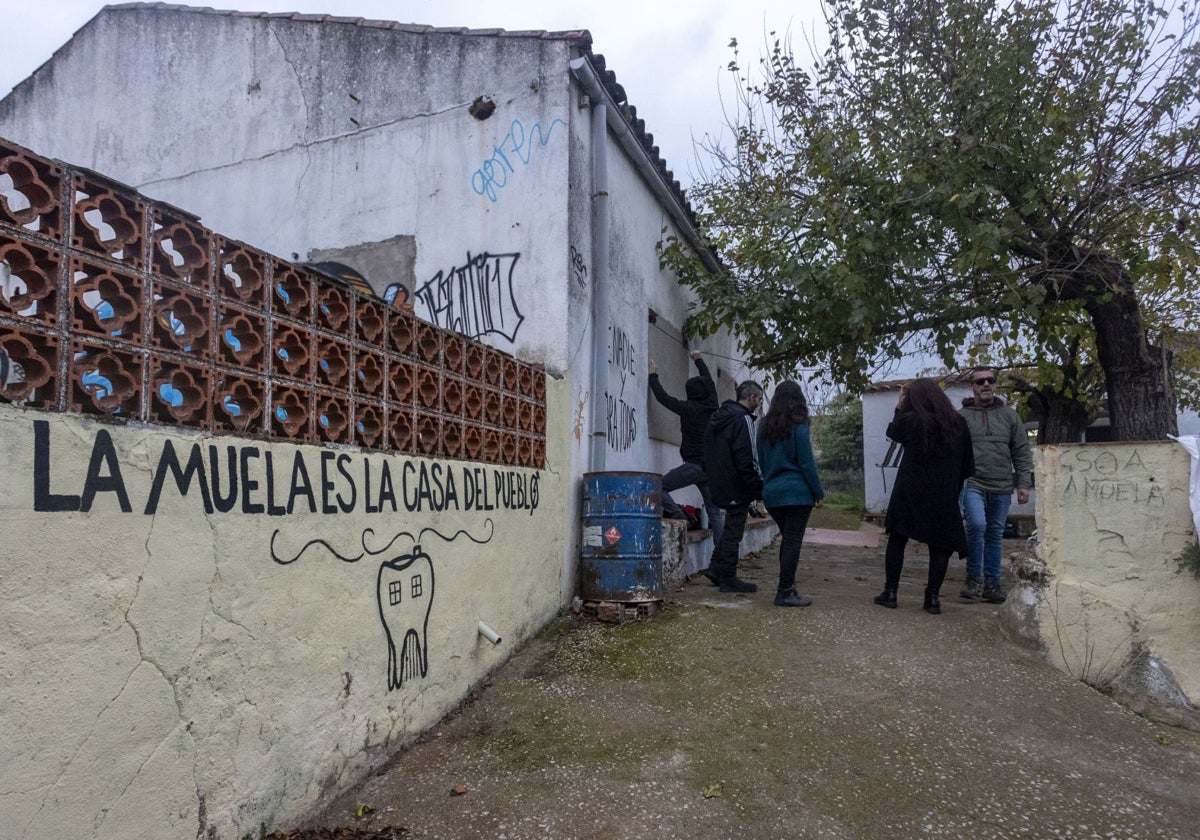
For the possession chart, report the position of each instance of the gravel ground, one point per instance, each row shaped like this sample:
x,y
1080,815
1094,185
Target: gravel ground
x,y
726,716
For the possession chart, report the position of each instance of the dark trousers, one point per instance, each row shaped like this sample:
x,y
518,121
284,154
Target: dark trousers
x,y
893,563
685,474
725,556
792,521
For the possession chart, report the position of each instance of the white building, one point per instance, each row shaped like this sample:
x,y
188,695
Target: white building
x,y
501,183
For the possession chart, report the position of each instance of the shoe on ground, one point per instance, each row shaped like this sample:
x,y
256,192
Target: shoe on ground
x,y
712,576
886,598
993,594
972,589
933,604
791,598
736,584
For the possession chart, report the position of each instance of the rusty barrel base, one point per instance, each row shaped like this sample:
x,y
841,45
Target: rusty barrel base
x,y
618,612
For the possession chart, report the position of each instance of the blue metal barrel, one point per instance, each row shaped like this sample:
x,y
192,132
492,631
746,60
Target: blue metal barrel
x,y
622,537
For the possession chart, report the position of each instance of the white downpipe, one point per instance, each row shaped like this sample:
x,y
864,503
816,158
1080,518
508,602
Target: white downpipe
x,y
601,228
583,71
601,305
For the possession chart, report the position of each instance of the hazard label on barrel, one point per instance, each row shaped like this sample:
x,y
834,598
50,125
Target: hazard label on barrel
x,y
612,535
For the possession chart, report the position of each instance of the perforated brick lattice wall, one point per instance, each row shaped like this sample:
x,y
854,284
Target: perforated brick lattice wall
x,y
112,304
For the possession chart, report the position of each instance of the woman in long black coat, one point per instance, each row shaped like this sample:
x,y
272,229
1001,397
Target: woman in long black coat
x,y
938,458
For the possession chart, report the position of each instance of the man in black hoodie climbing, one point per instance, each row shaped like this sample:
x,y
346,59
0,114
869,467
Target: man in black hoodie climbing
x,y
731,464
693,414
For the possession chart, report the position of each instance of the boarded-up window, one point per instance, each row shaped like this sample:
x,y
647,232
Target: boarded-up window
x,y
666,348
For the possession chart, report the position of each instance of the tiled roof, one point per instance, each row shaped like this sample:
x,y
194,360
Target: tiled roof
x,y
580,38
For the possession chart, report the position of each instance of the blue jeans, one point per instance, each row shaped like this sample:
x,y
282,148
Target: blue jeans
x,y
985,514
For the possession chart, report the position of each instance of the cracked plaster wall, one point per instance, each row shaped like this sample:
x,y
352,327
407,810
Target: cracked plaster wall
x,y
1112,519
161,676
303,138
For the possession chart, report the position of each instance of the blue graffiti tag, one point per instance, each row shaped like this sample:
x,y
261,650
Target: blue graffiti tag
x,y
493,175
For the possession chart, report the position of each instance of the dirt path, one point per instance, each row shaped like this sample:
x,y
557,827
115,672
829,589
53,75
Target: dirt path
x,y
728,717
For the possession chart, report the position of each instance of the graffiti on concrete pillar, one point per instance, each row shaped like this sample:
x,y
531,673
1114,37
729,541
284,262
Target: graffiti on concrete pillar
x,y
1100,476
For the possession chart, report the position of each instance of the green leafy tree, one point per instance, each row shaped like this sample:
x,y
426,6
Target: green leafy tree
x,y
838,433
1028,169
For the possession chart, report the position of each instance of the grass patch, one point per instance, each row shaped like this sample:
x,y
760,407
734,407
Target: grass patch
x,y
1189,560
841,512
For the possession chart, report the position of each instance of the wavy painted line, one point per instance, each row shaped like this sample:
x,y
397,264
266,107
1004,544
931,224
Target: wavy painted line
x,y
491,533
307,546
371,531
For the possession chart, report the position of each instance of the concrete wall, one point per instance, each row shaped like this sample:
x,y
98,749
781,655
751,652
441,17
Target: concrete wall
x,y
170,672
313,140
304,138
1117,613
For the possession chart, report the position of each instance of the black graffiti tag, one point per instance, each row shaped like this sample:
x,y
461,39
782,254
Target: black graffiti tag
x,y
578,267
475,298
622,354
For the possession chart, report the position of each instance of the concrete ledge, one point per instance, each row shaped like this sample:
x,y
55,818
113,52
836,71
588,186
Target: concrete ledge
x,y
686,552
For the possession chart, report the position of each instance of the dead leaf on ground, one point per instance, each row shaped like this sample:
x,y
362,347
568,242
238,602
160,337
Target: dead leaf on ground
x,y
458,790
713,791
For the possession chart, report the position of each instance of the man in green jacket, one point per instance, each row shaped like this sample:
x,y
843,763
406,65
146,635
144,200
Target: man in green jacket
x,y
1002,462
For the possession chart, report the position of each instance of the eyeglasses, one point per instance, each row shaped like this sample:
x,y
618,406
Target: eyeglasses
x,y
984,380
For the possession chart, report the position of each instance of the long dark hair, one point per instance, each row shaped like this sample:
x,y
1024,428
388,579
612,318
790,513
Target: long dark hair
x,y
940,423
788,409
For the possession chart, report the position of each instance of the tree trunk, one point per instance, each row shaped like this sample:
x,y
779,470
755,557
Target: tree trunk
x,y
1060,419
1135,374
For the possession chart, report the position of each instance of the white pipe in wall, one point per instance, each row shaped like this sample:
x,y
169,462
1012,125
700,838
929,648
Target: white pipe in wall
x,y
489,634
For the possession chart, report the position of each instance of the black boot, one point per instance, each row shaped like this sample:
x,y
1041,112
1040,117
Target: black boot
x,y
933,604
992,593
736,584
791,598
887,598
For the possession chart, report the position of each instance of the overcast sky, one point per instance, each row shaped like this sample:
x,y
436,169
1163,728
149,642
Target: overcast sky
x,y
669,55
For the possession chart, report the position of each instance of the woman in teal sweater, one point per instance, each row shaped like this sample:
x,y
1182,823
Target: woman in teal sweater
x,y
791,487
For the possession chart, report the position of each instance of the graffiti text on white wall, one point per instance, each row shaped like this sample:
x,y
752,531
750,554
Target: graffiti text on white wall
x,y
621,416
516,147
1102,476
475,298
251,480
578,268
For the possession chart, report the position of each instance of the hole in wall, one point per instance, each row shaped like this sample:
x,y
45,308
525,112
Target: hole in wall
x,y
482,108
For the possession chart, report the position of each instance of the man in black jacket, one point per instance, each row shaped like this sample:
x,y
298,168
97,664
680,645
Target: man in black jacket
x,y
731,464
693,414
